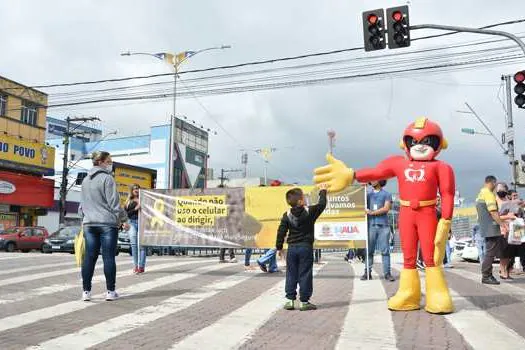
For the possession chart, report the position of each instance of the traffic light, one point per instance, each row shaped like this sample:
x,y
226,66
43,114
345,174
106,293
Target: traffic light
x,y
398,27
374,30
519,89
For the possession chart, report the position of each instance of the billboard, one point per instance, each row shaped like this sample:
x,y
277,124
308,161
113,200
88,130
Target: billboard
x,y
126,175
27,156
245,217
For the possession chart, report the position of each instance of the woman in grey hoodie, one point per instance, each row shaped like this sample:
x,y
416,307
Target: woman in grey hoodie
x,y
102,216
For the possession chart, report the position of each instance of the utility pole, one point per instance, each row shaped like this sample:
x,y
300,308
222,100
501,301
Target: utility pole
x,y
509,134
225,171
65,169
331,140
244,162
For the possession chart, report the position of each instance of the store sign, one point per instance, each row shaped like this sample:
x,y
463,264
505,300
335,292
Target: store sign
x,y
26,156
26,190
6,187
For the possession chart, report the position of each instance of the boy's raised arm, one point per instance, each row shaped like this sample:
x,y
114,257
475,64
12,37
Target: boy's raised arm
x,y
281,232
318,208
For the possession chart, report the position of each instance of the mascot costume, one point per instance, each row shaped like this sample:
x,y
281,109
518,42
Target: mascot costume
x,y
420,176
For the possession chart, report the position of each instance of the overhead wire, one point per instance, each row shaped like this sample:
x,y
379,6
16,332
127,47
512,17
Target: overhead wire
x,y
259,62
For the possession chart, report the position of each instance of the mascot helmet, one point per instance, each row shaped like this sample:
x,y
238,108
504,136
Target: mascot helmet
x,y
423,132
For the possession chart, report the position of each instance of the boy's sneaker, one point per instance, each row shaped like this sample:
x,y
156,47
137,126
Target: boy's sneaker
x,y
234,260
140,270
111,295
308,306
289,305
86,296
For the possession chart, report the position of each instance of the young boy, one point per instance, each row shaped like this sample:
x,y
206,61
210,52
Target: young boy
x,y
299,222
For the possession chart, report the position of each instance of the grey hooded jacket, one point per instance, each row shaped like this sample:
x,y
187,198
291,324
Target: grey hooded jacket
x,y
100,201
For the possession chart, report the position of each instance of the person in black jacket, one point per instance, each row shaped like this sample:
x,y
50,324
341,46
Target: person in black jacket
x,y
298,223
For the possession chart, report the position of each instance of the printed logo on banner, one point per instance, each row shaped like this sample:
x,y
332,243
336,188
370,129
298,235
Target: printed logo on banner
x,y
7,187
340,231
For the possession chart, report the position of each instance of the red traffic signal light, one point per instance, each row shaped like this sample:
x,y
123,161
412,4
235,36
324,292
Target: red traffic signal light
x,y
519,89
374,30
397,16
372,18
398,27
519,77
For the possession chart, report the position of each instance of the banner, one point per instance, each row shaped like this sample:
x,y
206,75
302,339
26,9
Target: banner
x,y
26,156
245,217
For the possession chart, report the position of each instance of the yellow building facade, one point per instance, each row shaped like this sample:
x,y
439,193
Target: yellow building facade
x,y
24,156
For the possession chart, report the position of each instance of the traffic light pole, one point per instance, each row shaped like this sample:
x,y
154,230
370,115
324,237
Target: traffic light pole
x,y
509,135
472,30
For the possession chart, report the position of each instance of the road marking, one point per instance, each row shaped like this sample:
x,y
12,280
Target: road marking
x,y
368,323
60,287
101,332
31,268
30,317
36,276
236,328
468,320
515,292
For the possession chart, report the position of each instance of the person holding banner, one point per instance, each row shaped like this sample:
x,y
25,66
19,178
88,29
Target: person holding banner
x,y
132,207
297,226
420,177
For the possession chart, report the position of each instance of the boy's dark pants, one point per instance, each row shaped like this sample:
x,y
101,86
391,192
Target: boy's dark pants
x,y
299,265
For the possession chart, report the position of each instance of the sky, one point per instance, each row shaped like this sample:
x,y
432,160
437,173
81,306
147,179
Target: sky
x,y
70,41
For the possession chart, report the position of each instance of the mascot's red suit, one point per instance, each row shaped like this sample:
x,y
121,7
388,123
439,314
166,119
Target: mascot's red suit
x,y
420,177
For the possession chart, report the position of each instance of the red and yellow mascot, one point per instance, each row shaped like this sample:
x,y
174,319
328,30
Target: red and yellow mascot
x,y
420,176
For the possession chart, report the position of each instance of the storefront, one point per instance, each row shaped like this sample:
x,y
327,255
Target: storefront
x,y
24,193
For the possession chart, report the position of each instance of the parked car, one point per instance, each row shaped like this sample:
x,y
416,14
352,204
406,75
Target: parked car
x,y
467,250
124,244
23,238
62,240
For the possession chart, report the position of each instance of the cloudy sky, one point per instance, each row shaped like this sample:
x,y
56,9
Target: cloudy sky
x,y
68,41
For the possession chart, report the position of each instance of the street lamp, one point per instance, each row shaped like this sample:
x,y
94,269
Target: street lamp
x,y
174,60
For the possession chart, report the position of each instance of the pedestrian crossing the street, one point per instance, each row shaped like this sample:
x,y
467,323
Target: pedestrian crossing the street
x,y
197,303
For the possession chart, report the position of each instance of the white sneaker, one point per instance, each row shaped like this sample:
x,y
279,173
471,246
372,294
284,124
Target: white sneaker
x,y
86,296
111,295
234,260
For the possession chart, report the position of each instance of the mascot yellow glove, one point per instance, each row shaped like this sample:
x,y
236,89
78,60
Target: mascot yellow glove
x,y
440,241
336,175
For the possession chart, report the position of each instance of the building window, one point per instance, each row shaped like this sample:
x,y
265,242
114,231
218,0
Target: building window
x,y
29,113
3,105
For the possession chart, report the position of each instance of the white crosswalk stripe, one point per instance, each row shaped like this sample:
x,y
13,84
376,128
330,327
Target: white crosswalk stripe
x,y
360,330
240,323
68,307
61,287
363,320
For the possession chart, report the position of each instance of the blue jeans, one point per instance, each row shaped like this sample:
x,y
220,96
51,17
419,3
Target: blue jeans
x,y
139,258
247,256
448,253
269,258
299,266
480,244
379,239
97,237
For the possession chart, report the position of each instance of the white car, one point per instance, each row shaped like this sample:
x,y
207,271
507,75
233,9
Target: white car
x,y
466,249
